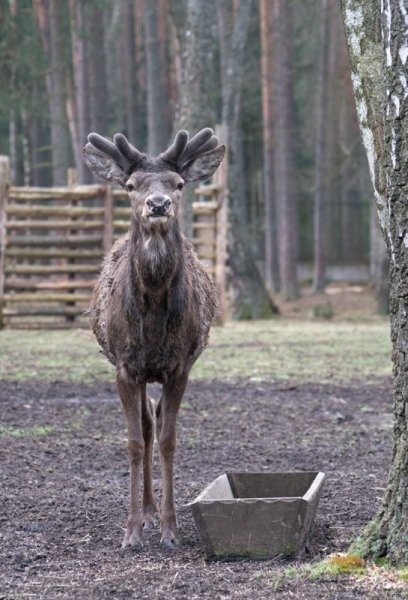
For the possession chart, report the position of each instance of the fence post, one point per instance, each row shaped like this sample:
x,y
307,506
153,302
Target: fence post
x,y
4,185
108,219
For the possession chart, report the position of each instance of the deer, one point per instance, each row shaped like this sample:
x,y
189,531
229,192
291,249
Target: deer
x,y
152,307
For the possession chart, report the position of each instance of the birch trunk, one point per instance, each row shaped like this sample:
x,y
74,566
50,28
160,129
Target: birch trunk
x,y
377,35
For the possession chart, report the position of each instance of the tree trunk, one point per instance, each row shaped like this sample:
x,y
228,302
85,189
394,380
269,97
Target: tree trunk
x,y
97,69
283,150
49,20
194,111
267,64
251,299
80,109
195,108
379,270
377,36
319,279
157,125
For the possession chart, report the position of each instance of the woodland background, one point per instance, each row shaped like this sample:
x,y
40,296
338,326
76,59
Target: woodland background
x,y
275,72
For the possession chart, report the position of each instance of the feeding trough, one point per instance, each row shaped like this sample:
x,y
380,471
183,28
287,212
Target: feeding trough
x,y
257,515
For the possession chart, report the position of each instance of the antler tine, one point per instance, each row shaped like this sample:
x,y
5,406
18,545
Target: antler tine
x,y
105,146
132,154
175,151
126,156
203,141
210,145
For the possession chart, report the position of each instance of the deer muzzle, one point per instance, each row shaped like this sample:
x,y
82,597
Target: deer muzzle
x,y
158,206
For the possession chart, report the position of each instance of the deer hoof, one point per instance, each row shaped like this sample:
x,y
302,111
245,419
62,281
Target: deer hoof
x,y
133,539
148,523
148,518
170,541
133,545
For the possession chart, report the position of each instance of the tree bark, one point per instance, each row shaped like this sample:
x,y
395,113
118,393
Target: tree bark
x,y
157,124
80,107
379,270
283,150
97,68
319,279
377,35
267,65
195,109
250,297
50,24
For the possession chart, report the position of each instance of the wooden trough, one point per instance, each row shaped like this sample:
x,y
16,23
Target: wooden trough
x,y
257,515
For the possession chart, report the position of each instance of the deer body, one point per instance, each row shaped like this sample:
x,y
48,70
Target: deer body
x,y
164,319
152,307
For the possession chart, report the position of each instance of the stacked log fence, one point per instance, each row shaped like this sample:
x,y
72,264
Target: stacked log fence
x,y
52,241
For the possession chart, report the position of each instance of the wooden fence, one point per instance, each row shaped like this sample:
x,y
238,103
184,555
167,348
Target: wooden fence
x,y
52,241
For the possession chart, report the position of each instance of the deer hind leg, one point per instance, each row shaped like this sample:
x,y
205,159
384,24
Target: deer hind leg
x,y
148,504
166,434
131,397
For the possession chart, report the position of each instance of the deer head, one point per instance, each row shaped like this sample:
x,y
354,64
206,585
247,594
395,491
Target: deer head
x,y
154,184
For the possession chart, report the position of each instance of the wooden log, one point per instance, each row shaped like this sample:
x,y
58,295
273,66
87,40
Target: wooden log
x,y
120,194
53,240
77,192
51,253
37,297
50,269
206,255
30,284
121,225
204,225
73,225
203,242
207,190
4,187
43,311
122,212
205,210
53,211
48,325
212,204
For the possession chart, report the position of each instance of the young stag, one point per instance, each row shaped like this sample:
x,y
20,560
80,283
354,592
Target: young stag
x,y
153,305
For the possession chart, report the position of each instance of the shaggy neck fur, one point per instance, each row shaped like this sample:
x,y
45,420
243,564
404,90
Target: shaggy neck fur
x,y
156,257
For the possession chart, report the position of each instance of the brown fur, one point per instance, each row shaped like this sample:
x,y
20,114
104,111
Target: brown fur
x,y
182,336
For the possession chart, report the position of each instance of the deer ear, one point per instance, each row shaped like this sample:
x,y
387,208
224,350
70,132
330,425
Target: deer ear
x,y
102,166
203,166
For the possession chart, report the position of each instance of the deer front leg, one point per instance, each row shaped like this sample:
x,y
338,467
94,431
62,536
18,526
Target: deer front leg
x,y
131,397
168,408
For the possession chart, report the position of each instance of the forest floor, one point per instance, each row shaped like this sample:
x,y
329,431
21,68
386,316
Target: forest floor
x,y
64,472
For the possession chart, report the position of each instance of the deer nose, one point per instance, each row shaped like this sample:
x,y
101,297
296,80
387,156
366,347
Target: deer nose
x,y
158,204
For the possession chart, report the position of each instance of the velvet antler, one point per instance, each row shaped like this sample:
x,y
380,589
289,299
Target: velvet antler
x,y
183,150
195,158
112,161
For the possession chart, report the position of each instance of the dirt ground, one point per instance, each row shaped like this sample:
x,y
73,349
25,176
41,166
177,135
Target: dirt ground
x,y
64,476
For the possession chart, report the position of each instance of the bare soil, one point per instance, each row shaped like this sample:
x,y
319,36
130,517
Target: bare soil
x,y
64,477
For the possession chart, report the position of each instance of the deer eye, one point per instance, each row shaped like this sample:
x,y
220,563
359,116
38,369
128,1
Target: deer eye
x,y
130,187
180,186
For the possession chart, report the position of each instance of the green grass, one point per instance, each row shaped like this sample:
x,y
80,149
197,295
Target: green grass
x,y
259,350
17,432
